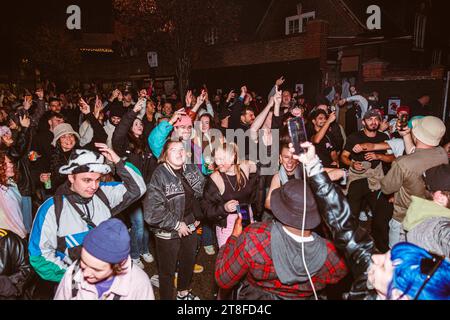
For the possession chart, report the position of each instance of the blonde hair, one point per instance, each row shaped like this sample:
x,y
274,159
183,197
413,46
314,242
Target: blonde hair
x,y
233,150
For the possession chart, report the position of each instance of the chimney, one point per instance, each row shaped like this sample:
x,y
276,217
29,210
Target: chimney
x,y
299,9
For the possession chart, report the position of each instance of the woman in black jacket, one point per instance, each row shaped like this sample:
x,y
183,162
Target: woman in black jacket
x,y
130,143
172,209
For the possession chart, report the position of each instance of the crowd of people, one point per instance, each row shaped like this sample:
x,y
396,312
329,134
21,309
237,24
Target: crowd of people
x,y
94,185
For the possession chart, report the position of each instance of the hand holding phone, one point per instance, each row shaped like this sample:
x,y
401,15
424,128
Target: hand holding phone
x,y
244,210
297,132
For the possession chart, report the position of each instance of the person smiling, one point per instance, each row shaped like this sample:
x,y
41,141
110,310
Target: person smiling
x,y
79,205
172,209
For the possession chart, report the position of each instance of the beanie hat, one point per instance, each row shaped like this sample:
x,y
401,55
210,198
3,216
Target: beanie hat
x,y
404,109
5,131
183,121
109,242
116,110
438,178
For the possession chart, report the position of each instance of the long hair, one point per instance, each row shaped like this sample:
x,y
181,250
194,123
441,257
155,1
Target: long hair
x,y
4,180
137,145
233,150
408,277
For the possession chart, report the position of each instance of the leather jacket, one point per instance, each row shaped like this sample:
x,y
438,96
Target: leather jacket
x,y
355,242
14,266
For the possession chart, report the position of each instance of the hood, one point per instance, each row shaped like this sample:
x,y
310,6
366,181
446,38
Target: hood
x,y
421,210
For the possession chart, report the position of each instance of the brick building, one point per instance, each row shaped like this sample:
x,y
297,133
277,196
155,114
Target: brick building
x,y
317,43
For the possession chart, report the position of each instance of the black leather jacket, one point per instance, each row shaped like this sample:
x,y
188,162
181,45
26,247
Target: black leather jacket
x,y
15,266
349,238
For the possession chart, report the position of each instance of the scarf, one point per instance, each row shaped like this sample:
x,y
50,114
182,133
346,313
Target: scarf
x,y
284,177
287,256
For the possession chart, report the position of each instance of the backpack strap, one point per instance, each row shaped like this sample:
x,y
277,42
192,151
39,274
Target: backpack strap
x,y
103,197
58,203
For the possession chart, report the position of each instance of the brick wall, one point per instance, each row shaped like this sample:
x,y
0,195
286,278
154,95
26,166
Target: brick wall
x,y
310,45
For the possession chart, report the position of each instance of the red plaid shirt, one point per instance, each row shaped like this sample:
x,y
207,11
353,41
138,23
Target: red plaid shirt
x,y
251,255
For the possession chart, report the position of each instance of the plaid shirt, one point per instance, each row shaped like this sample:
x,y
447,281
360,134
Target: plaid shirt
x,y
250,254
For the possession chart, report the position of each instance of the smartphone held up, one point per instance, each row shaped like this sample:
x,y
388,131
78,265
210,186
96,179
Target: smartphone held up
x,y
297,132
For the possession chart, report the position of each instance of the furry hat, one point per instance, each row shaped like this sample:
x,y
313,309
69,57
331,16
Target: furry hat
x,y
82,161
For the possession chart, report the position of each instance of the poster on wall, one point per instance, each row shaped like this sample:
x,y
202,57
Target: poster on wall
x,y
299,88
393,104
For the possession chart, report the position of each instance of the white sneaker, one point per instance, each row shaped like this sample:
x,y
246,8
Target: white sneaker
x,y
210,251
147,257
189,296
154,280
138,263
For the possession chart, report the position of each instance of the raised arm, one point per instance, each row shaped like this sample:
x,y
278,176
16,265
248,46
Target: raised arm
x,y
259,121
354,241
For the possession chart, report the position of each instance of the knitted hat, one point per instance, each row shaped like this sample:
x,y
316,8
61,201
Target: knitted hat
x,y
109,242
61,130
5,131
429,130
404,109
116,110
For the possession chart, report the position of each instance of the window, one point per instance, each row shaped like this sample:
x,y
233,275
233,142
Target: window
x,y
212,37
297,24
437,57
420,24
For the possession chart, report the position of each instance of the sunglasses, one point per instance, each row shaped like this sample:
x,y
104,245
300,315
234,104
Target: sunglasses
x,y
429,266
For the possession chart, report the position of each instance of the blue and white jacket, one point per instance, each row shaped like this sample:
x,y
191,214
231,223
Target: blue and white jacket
x,y
46,237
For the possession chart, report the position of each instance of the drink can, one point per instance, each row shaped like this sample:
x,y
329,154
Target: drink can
x,y
48,184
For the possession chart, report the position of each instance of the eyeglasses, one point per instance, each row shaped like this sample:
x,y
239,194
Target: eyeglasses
x,y
429,266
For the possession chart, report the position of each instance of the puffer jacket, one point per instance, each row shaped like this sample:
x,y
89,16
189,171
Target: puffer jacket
x,y
164,202
15,267
348,237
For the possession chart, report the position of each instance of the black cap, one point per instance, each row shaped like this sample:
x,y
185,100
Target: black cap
x,y
438,178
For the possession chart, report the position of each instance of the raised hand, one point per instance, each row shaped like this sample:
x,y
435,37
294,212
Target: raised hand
x,y
280,82
231,96
332,118
188,98
25,121
306,158
27,104
177,115
84,107
107,152
244,91
278,98
139,105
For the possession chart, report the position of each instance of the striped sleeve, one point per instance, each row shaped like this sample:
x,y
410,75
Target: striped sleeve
x,y
42,247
